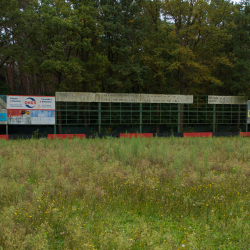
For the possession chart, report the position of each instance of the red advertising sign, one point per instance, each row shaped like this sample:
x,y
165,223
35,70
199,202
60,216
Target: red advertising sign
x,y
18,116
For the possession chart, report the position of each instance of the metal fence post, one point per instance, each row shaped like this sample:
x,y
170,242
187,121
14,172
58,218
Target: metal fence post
x,y
179,117
55,121
55,118
7,132
247,117
214,117
140,117
99,118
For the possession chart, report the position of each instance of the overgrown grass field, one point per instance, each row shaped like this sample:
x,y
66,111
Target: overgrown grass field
x,y
139,193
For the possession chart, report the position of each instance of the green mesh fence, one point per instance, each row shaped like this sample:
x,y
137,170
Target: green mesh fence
x,y
151,117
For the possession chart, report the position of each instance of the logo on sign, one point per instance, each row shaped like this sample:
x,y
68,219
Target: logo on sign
x,y
30,102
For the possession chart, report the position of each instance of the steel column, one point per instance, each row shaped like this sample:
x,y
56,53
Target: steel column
x,y
247,118
140,117
179,117
99,118
214,117
55,120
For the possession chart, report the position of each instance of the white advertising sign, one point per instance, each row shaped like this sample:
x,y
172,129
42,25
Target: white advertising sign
x,y
121,97
212,99
31,102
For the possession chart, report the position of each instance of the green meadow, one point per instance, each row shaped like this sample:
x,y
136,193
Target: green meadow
x,y
138,193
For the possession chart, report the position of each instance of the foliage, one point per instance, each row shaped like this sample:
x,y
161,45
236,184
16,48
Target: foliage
x,y
200,29
66,38
238,50
142,46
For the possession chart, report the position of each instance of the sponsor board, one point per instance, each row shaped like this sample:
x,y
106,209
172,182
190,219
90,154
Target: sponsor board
x,y
18,116
121,97
29,117
42,116
3,116
31,102
212,99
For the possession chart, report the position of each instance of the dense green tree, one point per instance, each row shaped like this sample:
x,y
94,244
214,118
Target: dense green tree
x,y
237,78
9,49
122,22
140,46
201,31
9,14
156,46
63,41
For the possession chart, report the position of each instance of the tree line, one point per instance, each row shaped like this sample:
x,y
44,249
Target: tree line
x,y
140,46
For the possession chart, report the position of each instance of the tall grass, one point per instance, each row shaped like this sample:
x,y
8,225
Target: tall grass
x,y
155,193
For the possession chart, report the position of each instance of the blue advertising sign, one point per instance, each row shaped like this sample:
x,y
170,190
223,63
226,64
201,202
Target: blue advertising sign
x,y
3,116
42,116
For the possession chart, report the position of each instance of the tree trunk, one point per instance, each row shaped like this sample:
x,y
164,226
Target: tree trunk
x,y
21,76
28,84
10,71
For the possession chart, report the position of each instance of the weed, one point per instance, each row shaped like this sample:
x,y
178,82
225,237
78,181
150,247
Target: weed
x,y
128,193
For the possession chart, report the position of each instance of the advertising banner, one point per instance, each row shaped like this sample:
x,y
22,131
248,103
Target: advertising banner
x,y
3,116
18,116
212,99
29,117
42,116
31,102
121,97
29,110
